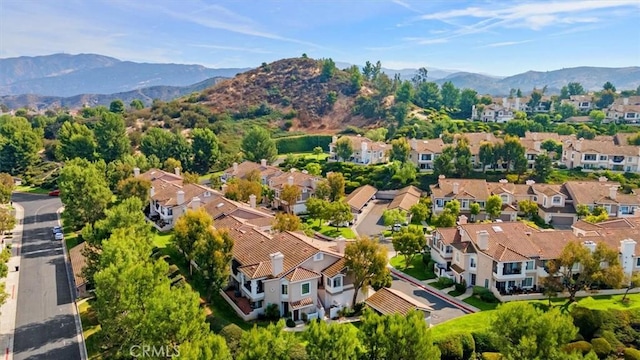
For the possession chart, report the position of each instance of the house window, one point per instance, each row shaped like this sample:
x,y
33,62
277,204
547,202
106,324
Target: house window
x,y
603,157
306,288
630,159
425,157
439,202
449,249
337,282
527,282
638,262
530,264
285,289
486,283
556,200
505,198
457,256
472,263
318,257
590,157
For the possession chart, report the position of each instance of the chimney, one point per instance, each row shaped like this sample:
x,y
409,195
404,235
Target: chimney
x,y
578,144
461,231
195,203
537,145
290,180
462,220
456,188
224,188
176,171
252,201
334,139
627,248
530,182
590,245
235,166
277,263
503,181
180,197
136,171
603,179
441,177
152,192
340,244
483,240
625,101
613,191
263,162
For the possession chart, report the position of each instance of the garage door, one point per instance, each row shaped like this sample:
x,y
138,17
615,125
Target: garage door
x,y
562,220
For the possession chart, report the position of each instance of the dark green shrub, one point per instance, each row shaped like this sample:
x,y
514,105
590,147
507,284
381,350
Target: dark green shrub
x,y
579,346
451,348
484,294
272,312
461,287
426,258
444,282
587,321
485,342
616,344
631,354
232,334
291,323
601,347
468,346
304,143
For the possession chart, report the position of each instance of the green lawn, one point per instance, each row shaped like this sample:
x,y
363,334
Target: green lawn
x,y
320,157
417,269
160,239
455,292
331,231
90,330
209,175
476,322
31,189
482,305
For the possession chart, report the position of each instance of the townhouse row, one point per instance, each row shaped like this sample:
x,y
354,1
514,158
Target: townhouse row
x,y
510,258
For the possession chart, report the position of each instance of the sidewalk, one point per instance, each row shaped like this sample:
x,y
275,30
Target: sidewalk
x,y
8,309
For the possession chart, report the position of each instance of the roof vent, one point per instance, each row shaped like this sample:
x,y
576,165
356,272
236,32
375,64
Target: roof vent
x,y
496,228
220,205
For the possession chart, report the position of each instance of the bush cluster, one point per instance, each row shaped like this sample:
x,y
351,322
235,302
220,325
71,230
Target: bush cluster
x,y
304,143
484,294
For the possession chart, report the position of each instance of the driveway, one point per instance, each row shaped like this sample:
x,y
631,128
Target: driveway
x,y
371,224
443,310
47,325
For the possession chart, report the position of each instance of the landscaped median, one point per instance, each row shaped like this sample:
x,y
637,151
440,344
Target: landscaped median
x,y
417,269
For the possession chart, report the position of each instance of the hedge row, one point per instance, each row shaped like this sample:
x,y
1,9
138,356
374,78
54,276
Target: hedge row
x,y
304,143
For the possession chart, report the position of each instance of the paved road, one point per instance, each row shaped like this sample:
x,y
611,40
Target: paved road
x,y
372,224
443,310
45,317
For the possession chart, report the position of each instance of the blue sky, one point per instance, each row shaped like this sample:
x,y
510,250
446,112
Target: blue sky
x,y
496,37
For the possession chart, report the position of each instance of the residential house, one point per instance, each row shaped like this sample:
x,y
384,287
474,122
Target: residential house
x,y
466,191
298,274
424,152
582,103
220,207
365,151
359,198
532,149
169,197
604,194
624,110
302,179
387,301
242,170
555,203
404,199
600,154
511,257
78,262
475,141
492,113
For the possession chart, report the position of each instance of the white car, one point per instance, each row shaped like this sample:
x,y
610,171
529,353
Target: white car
x,y
59,236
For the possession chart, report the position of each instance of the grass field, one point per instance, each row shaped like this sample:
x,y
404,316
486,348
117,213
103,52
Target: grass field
x,y
331,231
474,301
90,329
417,269
476,322
31,189
320,157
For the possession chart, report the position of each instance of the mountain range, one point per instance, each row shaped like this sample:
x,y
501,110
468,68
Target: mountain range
x,y
75,80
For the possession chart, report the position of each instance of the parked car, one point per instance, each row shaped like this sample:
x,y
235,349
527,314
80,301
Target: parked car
x,y
54,192
59,236
57,229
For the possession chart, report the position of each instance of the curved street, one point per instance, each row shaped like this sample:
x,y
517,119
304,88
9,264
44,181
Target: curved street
x,y
47,325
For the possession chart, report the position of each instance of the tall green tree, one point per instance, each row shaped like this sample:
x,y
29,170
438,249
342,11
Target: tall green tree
x,y
84,193
443,164
157,142
137,104
344,148
192,228
575,88
338,212
7,220
116,106
468,98
512,152
367,263
205,149
400,150
408,242
567,110
332,341
257,145
404,93
134,187
267,343
316,208
19,144
450,95
542,167
76,140
428,96
462,163
523,331
111,137
487,155
391,217
211,347
336,182
493,207
6,187
213,254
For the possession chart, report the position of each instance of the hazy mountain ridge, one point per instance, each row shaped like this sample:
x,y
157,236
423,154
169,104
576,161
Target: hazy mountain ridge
x,y
69,75
147,95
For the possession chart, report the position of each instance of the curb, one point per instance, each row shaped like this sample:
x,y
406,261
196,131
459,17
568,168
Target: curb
x,y
465,308
76,310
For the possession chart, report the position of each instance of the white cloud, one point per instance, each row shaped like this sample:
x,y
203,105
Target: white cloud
x,y
507,43
231,48
406,5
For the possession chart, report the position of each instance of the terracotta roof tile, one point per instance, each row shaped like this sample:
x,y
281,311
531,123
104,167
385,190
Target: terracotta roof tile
x,y
389,301
78,262
302,303
157,174
467,188
434,146
300,274
245,167
335,268
357,141
596,192
405,198
360,196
